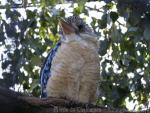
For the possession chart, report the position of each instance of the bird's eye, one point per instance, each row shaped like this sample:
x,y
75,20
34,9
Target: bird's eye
x,y
80,27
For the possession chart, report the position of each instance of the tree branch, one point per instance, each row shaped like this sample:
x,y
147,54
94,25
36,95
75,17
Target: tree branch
x,y
13,102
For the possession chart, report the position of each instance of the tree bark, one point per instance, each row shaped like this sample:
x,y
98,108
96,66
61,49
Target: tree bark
x,y
13,102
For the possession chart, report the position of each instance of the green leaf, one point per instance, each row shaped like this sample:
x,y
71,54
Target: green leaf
x,y
132,31
104,45
81,7
103,22
77,10
31,14
34,84
114,16
134,18
147,32
110,5
115,34
35,60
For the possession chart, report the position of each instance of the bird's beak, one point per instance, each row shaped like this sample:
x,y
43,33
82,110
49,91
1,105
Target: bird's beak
x,y
66,28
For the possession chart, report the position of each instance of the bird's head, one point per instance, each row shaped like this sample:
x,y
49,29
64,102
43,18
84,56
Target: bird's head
x,y
75,29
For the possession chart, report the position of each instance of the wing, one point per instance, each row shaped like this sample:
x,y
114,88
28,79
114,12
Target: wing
x,y
46,69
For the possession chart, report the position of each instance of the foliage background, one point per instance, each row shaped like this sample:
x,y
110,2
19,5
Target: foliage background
x,y
27,36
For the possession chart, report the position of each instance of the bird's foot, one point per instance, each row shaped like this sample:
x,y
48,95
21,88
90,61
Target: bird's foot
x,y
72,104
86,105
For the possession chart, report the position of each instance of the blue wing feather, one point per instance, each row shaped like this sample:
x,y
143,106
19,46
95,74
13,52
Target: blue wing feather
x,y
46,69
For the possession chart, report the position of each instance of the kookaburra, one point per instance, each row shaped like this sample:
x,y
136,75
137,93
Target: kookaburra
x,y
71,70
